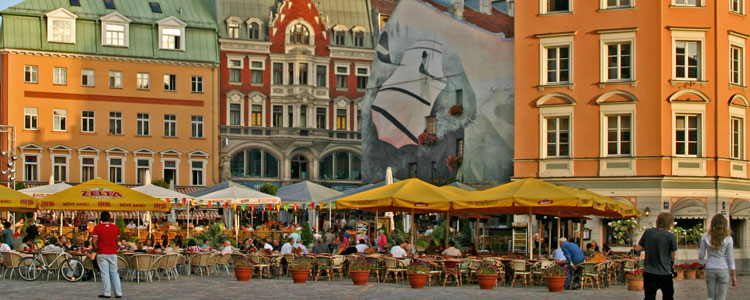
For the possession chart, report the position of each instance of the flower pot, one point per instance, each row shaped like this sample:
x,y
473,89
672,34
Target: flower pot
x,y
701,274
690,274
300,276
635,284
555,284
359,277
679,275
243,274
417,281
487,282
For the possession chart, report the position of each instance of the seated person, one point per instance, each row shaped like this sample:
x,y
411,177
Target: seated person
x,y
352,249
4,248
193,247
266,246
123,246
472,251
139,247
66,244
28,244
158,248
206,244
451,250
362,246
589,250
299,245
52,246
287,247
321,248
147,246
228,249
398,251
131,225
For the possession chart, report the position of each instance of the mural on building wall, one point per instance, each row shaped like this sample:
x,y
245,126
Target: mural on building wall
x,y
435,76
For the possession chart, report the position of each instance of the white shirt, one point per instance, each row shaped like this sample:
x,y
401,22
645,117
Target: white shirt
x,y
452,251
398,252
131,225
558,254
227,250
4,248
361,248
268,246
304,249
286,249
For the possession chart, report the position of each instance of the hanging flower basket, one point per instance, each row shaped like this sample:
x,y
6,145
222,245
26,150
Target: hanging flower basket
x,y
456,110
427,139
454,161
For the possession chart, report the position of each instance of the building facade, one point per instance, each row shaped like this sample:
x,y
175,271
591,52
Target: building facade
x,y
112,89
643,101
293,74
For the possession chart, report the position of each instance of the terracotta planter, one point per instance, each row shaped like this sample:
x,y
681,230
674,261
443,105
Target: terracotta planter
x,y
635,284
243,274
359,277
690,274
300,276
487,282
701,274
417,281
679,275
555,284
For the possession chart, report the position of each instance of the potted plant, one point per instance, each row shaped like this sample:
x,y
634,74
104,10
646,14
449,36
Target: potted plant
x,y
691,270
456,110
418,272
243,267
454,161
300,269
487,275
679,269
359,270
701,274
427,139
554,277
635,280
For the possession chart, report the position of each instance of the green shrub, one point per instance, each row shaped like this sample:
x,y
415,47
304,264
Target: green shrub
x,y
307,236
120,222
269,188
161,183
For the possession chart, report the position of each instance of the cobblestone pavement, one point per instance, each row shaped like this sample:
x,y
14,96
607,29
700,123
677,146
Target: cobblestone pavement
x,y
226,287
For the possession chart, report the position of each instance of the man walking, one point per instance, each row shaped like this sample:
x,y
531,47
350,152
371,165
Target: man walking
x,y
573,257
660,246
106,235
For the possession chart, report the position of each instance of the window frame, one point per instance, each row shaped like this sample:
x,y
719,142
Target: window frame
x,y
60,122
317,76
196,126
170,125
700,134
544,11
556,41
170,82
345,75
196,84
81,166
117,119
36,166
366,76
107,39
607,38
555,111
230,102
741,135
684,35
115,75
202,170
88,121
59,76
143,124
140,78
232,68
34,118
180,43
64,16
684,3
121,168
254,70
137,167
90,78
253,34
740,7
604,5
63,165
737,42
30,72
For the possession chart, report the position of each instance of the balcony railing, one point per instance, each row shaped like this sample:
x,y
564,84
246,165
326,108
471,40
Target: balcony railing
x,y
242,131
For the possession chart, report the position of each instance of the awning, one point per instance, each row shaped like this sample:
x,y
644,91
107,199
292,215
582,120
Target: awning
x,y
690,209
740,209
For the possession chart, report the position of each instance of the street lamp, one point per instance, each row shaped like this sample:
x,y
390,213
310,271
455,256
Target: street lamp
x,y
647,211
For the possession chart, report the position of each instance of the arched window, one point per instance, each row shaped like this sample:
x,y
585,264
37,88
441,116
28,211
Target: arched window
x,y
299,167
254,31
254,163
299,34
341,166
233,29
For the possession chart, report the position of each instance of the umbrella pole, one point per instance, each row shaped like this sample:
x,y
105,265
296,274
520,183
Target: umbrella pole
x,y
447,229
413,237
541,238
377,227
236,226
476,238
549,238
139,226
188,220
330,216
61,224
558,230
580,234
530,237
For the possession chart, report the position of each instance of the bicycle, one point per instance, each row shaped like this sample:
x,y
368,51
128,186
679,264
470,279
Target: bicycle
x,y
31,268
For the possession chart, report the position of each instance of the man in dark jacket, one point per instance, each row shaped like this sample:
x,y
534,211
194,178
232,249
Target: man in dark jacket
x,y
573,257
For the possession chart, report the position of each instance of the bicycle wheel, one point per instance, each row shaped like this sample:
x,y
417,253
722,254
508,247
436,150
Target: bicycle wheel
x,y
30,268
72,270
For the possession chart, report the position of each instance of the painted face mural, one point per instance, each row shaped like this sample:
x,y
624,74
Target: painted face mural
x,y
439,89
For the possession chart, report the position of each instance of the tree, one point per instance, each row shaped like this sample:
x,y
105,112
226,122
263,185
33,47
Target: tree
x,y
20,185
161,183
307,237
120,222
269,188
466,234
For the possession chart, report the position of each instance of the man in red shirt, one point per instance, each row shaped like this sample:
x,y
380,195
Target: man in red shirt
x,y
106,235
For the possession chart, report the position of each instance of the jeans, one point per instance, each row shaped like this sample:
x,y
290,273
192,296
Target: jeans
x,y
717,282
654,282
569,276
110,277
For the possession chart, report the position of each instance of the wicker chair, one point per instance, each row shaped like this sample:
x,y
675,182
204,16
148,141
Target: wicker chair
x,y
200,261
536,270
393,267
223,262
337,266
122,265
142,263
211,263
323,264
261,264
88,265
591,275
450,269
520,270
160,263
375,266
11,260
288,258
435,271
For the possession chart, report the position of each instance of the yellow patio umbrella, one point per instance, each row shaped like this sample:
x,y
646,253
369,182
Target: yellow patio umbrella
x,y
100,195
410,195
12,200
455,190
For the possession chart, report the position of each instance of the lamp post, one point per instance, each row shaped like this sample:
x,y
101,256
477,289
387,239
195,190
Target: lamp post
x,y
8,156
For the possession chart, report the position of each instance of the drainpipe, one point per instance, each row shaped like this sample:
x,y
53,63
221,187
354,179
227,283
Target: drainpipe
x,y
716,102
213,126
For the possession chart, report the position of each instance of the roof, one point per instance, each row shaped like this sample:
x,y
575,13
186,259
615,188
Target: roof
x,y
243,9
306,192
385,7
496,22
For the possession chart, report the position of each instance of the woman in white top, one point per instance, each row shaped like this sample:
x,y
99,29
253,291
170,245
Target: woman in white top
x,y
720,262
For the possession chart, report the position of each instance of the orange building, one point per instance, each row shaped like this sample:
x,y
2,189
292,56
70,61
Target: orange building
x,y
645,101
111,92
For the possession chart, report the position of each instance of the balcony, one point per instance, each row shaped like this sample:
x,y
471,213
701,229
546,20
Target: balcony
x,y
313,133
294,90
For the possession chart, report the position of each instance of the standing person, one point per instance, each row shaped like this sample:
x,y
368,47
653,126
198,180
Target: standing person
x,y
660,246
8,234
382,241
720,261
105,247
573,257
32,231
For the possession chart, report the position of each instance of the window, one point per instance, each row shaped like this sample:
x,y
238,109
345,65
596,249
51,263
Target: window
x,y
290,69
235,114
558,64
299,34
114,35
460,96
278,73
60,76
320,118
303,116
557,6
171,38
320,76
155,7
339,37
619,61
290,116
254,163
299,167
687,135
141,167
341,119
115,79
75,2
196,126
60,168
460,146
233,30
88,77
30,118
196,84
87,121
115,170
736,63
412,170
257,115
618,3
256,72
143,124
737,231
62,31
558,129
687,58
31,168
277,115
197,173
170,125
88,167
431,124
109,4
115,122
170,82
60,119
30,74
687,2
737,6
618,135
235,70
254,31
143,81
302,73
362,75
359,120
737,138
359,39
169,171
341,166
342,76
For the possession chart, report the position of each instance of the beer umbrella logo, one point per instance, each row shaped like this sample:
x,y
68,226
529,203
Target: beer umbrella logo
x,y
101,193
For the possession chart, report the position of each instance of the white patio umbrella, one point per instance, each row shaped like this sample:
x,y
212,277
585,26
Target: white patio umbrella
x,y
46,190
162,193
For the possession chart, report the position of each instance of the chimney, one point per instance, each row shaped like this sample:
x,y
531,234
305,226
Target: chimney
x,y
458,9
485,7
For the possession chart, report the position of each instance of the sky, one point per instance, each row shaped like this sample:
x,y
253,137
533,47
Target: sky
x,y
5,3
